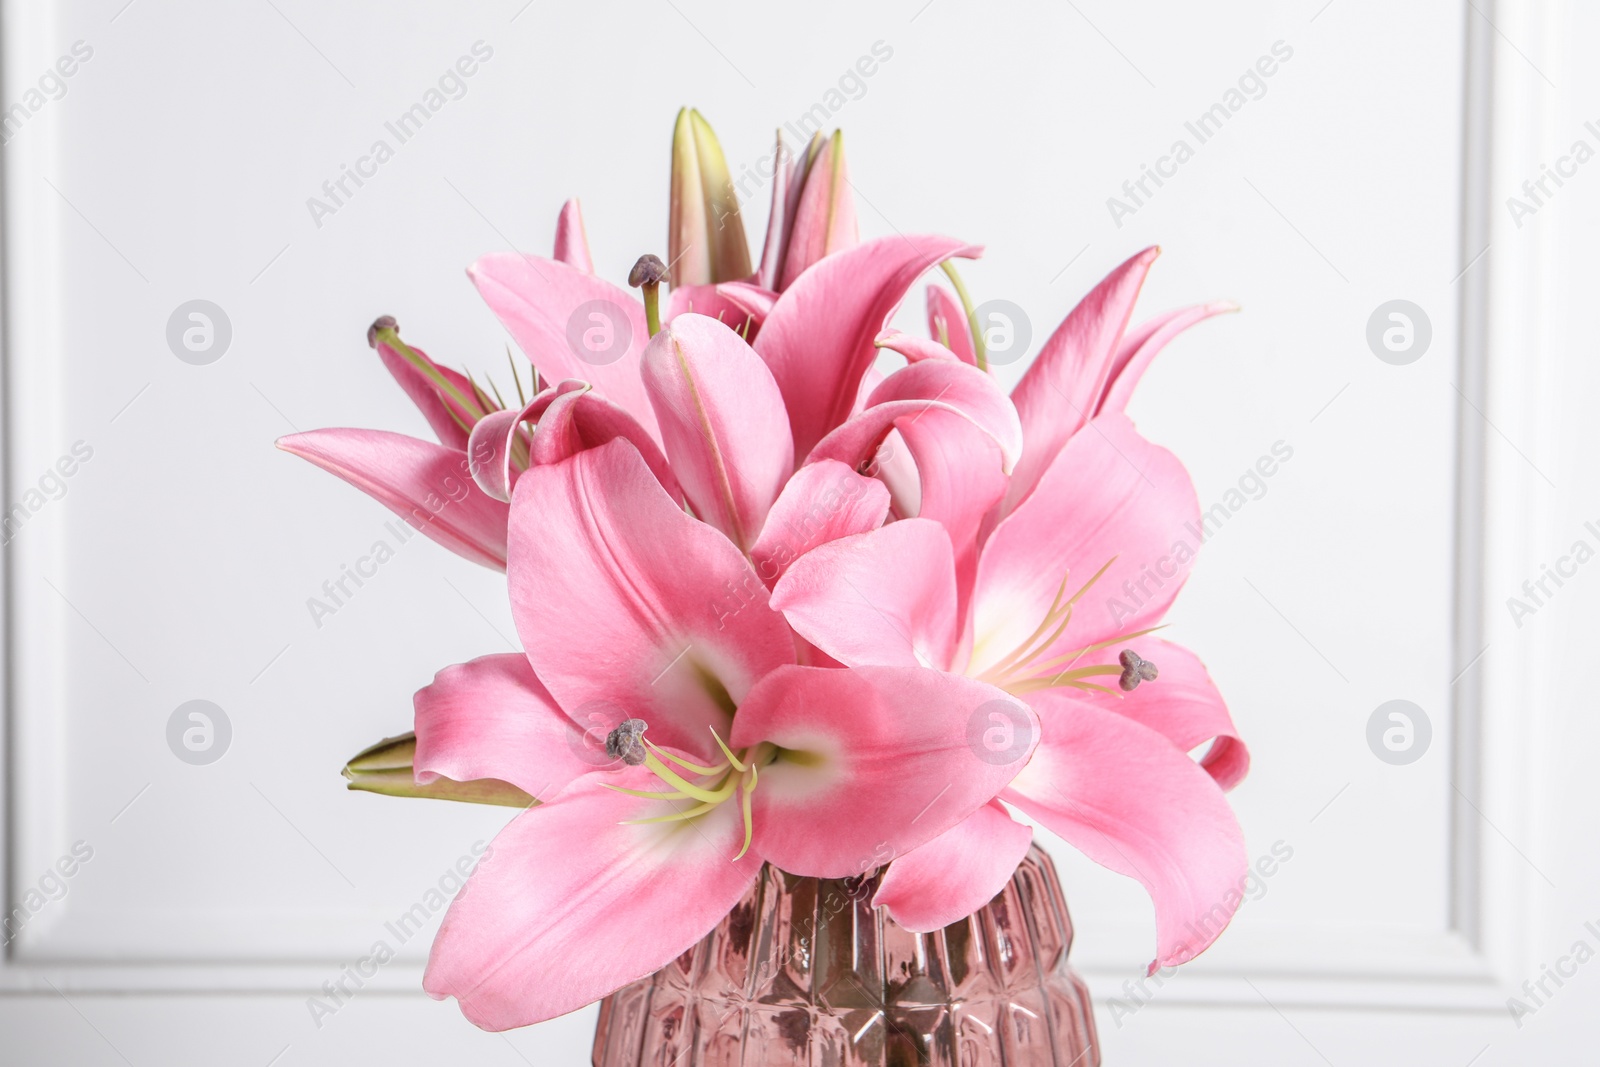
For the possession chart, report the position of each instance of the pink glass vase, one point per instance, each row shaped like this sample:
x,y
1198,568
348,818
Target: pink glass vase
x,y
805,972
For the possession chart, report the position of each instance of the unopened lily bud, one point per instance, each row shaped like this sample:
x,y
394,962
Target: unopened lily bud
x,y
388,768
705,235
824,213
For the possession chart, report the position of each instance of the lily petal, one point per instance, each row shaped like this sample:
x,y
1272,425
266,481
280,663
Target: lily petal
x,y
821,502
873,762
491,718
428,485
568,905
625,602
818,340
445,415
1110,497
723,422
956,873
1062,388
570,325
1143,344
914,391
1130,801
947,324
571,417
1183,705
915,349
740,306
960,478
572,240
579,418
885,598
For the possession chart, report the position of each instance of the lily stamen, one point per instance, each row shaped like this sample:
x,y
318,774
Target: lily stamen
x,y
738,773
686,765
726,751
1069,658
667,774
1021,660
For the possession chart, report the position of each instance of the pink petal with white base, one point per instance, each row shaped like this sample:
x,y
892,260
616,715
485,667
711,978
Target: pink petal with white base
x,y
568,904
1110,497
1062,388
428,485
871,759
956,873
818,340
570,325
1144,343
722,421
572,241
491,718
626,604
885,598
1125,797
821,502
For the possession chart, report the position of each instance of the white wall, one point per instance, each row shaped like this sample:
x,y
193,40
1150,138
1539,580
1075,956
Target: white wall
x,y
1375,165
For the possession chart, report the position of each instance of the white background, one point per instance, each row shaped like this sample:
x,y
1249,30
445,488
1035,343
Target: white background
x,y
1376,565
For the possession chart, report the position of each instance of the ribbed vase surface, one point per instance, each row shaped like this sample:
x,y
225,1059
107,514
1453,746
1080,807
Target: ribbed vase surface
x,y
806,973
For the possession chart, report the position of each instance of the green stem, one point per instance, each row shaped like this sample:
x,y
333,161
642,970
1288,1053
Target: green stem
x,y
978,349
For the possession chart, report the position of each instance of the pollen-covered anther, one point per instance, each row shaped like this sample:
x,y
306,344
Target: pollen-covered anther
x,y
647,270
626,742
1135,670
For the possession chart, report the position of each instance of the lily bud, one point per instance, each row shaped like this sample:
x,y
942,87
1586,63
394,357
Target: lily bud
x,y
824,214
388,768
705,235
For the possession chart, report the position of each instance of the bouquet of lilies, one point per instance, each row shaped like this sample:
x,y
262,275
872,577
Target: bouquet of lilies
x,y
781,605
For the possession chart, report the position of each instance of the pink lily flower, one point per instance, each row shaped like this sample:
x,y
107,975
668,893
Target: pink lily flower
x,y
747,756
1082,569
429,485
818,340
435,487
